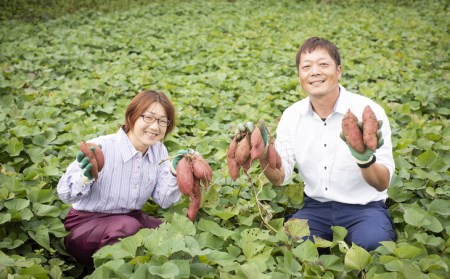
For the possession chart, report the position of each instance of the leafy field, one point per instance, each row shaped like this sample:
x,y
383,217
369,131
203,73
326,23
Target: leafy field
x,y
69,78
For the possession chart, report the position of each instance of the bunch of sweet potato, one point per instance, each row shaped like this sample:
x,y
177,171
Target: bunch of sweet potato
x,y
95,157
193,170
247,145
361,137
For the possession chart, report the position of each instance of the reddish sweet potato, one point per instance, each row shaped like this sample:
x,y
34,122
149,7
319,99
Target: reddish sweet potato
x,y
370,128
195,200
242,151
95,157
185,177
246,166
233,166
202,170
257,144
352,133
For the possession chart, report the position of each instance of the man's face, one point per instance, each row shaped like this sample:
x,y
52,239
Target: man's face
x,y
318,73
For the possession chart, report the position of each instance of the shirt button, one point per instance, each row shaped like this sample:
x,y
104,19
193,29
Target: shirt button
x,y
326,188
325,167
325,145
324,124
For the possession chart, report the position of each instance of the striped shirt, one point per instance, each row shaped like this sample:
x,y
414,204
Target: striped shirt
x,y
126,181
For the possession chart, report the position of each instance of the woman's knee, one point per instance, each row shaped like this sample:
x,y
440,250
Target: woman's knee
x,y
120,227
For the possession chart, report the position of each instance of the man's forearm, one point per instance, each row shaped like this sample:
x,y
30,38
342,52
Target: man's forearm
x,y
377,176
275,176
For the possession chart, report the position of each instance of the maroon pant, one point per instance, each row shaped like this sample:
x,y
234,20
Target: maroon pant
x,y
89,231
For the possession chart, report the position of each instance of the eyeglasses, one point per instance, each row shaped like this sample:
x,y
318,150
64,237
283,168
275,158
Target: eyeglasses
x,y
150,118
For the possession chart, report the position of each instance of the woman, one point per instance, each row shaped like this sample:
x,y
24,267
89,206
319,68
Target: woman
x,y
135,169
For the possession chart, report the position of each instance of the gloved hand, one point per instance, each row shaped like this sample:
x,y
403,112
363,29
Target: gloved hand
x,y
85,166
367,157
179,155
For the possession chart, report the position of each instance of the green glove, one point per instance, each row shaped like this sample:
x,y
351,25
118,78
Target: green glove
x,y
179,156
86,166
367,157
262,127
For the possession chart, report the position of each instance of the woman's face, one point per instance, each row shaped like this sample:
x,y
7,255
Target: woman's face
x,y
144,134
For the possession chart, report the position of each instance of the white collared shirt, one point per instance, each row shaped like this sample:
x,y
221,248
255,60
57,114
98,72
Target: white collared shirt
x,y
324,161
127,180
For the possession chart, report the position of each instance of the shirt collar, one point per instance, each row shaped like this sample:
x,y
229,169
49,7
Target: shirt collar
x,y
343,102
341,106
125,146
127,149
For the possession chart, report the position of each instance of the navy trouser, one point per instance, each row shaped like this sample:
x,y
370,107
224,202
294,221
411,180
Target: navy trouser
x,y
367,224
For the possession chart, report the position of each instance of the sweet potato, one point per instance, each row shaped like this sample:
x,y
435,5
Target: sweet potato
x,y
370,128
195,200
201,170
95,157
185,177
352,132
257,144
242,151
246,166
233,166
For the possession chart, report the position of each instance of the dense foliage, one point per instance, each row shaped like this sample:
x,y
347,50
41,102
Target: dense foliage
x,y
68,78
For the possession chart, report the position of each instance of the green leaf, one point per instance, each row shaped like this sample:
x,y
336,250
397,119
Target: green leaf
x,y
339,233
214,228
46,210
167,270
35,271
290,264
407,252
40,235
332,262
296,228
250,270
432,262
36,154
5,260
218,257
17,204
5,217
306,251
440,206
183,225
357,258
420,218
426,158
14,147
416,217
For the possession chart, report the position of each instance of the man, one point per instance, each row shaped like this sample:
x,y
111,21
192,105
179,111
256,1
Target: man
x,y
342,187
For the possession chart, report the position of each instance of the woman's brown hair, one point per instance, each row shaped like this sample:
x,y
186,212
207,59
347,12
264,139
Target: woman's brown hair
x,y
141,102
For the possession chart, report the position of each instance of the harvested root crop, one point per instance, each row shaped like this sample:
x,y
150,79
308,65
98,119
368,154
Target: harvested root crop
x,y
352,133
248,144
192,172
96,157
370,128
